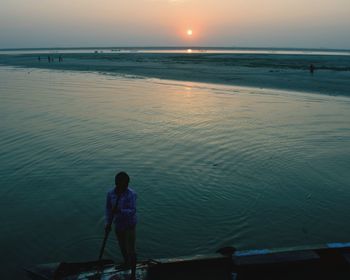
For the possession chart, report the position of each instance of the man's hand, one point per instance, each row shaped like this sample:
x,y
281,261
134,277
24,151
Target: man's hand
x,y
108,228
116,211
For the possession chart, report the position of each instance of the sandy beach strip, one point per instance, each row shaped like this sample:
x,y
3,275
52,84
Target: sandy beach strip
x,y
278,71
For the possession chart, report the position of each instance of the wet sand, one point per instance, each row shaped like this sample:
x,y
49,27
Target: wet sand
x,y
276,71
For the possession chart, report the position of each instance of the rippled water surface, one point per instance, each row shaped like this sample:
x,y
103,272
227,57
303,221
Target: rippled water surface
x,y
213,165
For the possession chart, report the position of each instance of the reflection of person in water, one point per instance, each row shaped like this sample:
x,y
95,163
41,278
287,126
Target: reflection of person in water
x,y
312,68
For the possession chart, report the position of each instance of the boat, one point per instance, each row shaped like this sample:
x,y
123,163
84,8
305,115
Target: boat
x,y
329,261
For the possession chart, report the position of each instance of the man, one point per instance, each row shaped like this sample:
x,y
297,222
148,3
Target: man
x,y
121,209
312,68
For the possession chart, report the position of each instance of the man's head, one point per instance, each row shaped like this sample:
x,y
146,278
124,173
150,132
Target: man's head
x,y
122,181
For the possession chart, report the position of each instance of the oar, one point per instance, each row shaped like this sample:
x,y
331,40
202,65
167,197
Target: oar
x,y
104,242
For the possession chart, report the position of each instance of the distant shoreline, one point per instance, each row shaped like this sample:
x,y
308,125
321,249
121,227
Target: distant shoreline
x,y
178,47
262,70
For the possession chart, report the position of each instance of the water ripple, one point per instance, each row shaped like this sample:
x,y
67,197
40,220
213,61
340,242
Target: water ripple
x,y
213,165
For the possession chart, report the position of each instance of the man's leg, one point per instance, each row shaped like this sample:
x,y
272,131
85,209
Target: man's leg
x,y
131,252
122,240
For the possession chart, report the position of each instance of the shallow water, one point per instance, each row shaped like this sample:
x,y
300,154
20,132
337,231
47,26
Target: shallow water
x,y
270,70
213,165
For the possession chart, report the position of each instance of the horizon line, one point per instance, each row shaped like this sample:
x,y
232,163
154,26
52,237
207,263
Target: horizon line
x,y
175,47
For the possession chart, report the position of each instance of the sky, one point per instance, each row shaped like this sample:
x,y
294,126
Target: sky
x,y
226,23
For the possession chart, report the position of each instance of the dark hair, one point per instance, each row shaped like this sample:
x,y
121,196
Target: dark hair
x,y
122,178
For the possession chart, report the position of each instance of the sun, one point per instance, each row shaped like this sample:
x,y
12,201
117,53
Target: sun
x,y
189,32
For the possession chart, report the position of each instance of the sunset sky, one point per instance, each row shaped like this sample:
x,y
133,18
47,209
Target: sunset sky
x,y
251,23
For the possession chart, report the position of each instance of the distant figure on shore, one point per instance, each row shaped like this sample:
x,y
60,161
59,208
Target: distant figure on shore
x,y
312,68
60,59
39,58
121,210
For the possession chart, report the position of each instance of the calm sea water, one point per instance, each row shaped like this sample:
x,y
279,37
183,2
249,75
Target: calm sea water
x,y
213,166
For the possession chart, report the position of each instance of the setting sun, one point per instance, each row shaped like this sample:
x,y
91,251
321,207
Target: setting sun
x,y
189,32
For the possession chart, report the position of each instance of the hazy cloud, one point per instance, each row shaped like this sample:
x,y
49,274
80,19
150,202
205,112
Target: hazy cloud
x,y
276,23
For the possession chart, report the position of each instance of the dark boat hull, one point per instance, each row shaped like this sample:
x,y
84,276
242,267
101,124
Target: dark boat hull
x,y
331,261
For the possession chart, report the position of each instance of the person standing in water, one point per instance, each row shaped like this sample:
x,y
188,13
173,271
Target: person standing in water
x,y
312,68
121,210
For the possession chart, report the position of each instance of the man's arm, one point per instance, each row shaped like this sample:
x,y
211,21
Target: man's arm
x,y
128,208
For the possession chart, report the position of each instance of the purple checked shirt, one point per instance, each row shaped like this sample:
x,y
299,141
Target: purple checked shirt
x,y
125,218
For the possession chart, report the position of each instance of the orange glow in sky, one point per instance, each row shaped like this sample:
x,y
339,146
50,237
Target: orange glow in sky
x,y
255,23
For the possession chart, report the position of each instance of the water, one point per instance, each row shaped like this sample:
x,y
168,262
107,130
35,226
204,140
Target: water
x,y
213,166
179,50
